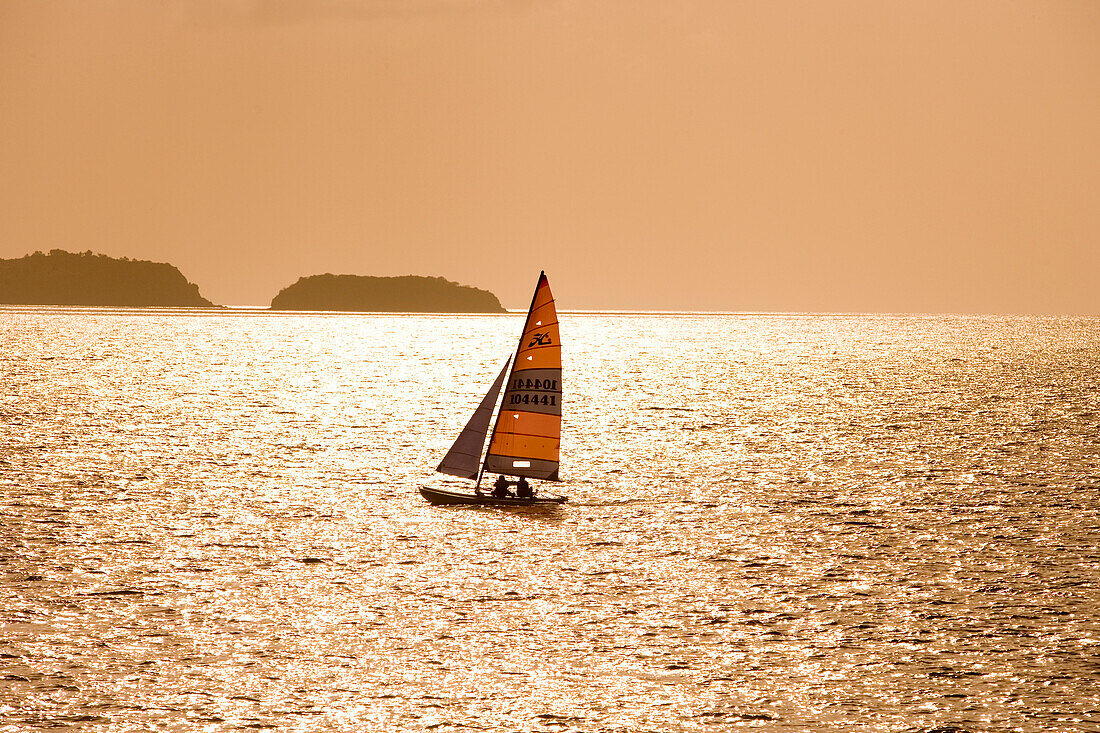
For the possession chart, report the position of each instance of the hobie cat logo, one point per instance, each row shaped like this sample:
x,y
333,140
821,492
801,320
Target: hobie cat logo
x,y
539,339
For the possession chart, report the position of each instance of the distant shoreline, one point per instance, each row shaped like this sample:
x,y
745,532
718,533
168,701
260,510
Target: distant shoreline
x,y
369,294
234,311
88,279
63,279
66,279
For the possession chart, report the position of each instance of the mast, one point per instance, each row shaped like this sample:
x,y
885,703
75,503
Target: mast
x,y
512,359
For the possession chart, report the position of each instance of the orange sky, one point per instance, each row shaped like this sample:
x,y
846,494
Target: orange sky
x,y
709,154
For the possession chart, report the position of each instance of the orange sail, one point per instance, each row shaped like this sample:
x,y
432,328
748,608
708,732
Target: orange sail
x,y
527,435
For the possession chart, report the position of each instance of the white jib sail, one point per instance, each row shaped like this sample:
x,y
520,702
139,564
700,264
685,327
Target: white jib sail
x,y
464,457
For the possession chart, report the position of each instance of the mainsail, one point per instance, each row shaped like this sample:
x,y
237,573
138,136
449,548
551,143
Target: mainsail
x,y
527,434
464,457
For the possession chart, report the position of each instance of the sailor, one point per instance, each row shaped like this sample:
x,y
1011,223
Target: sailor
x,y
500,488
523,489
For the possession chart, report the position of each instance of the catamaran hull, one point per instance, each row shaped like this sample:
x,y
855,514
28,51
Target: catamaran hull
x,y
442,496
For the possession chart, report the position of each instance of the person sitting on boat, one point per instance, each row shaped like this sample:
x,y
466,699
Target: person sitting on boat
x,y
500,488
523,489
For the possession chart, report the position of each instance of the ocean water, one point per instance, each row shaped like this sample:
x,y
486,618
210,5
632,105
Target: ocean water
x,y
210,521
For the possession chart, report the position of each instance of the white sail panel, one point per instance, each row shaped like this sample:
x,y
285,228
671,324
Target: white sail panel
x,y
464,457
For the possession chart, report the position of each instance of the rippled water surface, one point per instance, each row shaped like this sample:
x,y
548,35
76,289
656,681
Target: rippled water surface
x,y
209,521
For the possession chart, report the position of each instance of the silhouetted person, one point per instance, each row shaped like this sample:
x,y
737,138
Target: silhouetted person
x,y
523,489
500,488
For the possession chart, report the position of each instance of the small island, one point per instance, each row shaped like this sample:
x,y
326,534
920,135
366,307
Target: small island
x,y
65,278
406,294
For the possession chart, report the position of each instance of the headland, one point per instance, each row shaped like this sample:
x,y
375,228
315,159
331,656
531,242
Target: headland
x,y
405,294
65,278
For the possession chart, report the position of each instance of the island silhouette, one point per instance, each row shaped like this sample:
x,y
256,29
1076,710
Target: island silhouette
x,y
66,278
405,294
89,279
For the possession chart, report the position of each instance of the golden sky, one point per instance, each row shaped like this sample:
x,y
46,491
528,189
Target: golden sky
x,y
706,154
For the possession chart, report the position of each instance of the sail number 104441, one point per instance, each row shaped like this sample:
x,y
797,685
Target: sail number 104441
x,y
533,399
549,385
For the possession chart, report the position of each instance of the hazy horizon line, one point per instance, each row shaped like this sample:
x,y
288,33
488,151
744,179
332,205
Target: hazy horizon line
x,y
268,310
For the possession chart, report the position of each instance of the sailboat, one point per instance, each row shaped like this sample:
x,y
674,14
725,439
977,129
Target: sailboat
x,y
527,430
